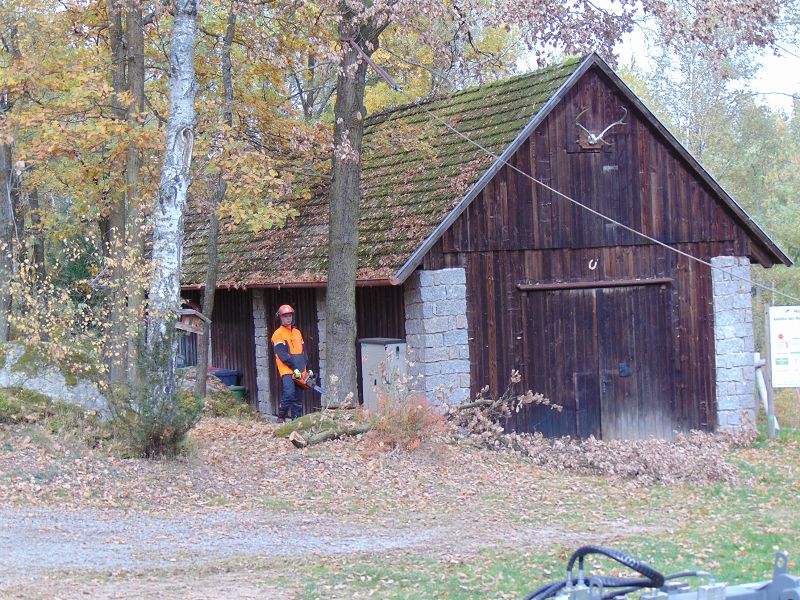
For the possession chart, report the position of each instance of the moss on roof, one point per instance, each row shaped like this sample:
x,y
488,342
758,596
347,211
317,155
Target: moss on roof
x,y
414,172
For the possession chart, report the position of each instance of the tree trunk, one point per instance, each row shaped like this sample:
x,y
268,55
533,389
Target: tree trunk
x,y
213,228
345,199
134,239
6,237
37,248
164,296
115,352
7,204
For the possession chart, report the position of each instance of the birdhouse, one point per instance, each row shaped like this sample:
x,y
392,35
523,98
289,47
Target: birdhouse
x,y
191,320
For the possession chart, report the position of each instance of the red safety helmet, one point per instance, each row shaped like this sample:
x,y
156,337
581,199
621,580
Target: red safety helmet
x,y
285,309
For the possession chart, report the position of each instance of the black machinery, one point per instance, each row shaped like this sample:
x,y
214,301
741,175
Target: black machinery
x,y
656,586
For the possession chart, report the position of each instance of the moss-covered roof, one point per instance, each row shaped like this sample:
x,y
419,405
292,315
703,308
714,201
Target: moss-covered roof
x,y
414,172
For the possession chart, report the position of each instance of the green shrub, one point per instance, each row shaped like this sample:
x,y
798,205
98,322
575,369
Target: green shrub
x,y
146,428
145,424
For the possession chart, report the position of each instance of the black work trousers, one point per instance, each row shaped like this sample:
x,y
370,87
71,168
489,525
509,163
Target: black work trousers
x,y
291,405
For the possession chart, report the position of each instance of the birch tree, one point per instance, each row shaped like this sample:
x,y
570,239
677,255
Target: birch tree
x,y
164,297
6,230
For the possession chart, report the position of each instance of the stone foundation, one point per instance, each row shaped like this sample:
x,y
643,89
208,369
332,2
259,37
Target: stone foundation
x,y
436,333
733,343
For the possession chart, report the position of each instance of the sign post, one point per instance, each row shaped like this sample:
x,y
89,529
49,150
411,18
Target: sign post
x,y
783,347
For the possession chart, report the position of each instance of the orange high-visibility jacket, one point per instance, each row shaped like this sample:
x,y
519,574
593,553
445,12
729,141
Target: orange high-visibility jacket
x,y
290,353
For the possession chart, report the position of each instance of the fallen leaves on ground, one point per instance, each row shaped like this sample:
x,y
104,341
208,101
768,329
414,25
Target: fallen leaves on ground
x,y
238,463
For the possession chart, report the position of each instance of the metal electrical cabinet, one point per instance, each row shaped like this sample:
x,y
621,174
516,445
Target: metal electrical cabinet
x,y
382,361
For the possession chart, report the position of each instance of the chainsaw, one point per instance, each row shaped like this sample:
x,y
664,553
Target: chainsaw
x,y
307,381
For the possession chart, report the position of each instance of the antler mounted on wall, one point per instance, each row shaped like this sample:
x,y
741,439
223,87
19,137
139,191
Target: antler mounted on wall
x,y
594,140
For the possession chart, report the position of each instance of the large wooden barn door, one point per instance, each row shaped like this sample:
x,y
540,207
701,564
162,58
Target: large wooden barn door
x,y
635,362
603,354
562,362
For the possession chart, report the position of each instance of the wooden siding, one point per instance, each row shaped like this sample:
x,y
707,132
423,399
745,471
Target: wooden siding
x,y
232,339
639,181
509,331
573,342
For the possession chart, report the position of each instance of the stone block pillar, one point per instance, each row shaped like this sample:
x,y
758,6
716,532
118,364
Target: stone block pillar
x,y
260,332
436,333
321,331
733,343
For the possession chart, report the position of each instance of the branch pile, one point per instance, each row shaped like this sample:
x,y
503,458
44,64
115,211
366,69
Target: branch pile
x,y
689,457
482,419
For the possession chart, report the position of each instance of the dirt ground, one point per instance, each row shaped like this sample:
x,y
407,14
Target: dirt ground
x,y
245,511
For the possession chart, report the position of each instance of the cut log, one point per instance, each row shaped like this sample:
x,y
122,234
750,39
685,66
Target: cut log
x,y
335,434
298,440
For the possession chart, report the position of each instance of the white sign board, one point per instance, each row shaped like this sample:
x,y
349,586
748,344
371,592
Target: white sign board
x,y
784,345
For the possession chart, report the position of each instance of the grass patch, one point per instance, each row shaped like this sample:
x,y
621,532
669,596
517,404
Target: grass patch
x,y
17,404
485,575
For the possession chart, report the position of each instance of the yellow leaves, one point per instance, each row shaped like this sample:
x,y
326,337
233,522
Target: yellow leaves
x,y
255,215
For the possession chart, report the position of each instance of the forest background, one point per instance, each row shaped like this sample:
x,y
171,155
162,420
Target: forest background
x,y
85,107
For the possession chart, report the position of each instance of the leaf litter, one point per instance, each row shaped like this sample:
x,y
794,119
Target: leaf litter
x,y
452,497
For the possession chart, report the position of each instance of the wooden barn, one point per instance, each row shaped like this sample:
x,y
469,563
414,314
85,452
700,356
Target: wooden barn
x,y
523,255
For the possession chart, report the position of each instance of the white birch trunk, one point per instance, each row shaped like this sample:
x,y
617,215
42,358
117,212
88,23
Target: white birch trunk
x,y
164,294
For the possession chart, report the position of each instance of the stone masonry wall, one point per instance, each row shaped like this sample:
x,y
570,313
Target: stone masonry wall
x,y
262,351
321,328
734,344
436,333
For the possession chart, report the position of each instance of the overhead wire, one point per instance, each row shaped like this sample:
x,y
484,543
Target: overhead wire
x,y
589,209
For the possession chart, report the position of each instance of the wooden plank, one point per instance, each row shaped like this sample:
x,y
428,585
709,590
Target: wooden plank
x,y
576,285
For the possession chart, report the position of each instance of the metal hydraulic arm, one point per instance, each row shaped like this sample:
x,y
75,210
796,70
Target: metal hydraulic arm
x,y
652,585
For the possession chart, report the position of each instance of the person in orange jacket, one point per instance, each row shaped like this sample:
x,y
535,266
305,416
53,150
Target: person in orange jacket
x,y
291,360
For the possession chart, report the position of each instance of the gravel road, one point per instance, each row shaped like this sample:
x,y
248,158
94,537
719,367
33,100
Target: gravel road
x,y
38,541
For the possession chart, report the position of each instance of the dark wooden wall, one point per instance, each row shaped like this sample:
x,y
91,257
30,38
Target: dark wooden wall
x,y
572,340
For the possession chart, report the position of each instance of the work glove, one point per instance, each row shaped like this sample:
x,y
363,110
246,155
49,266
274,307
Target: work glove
x,y
297,373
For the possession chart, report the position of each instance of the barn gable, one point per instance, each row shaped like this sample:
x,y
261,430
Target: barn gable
x,y
594,95
618,329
